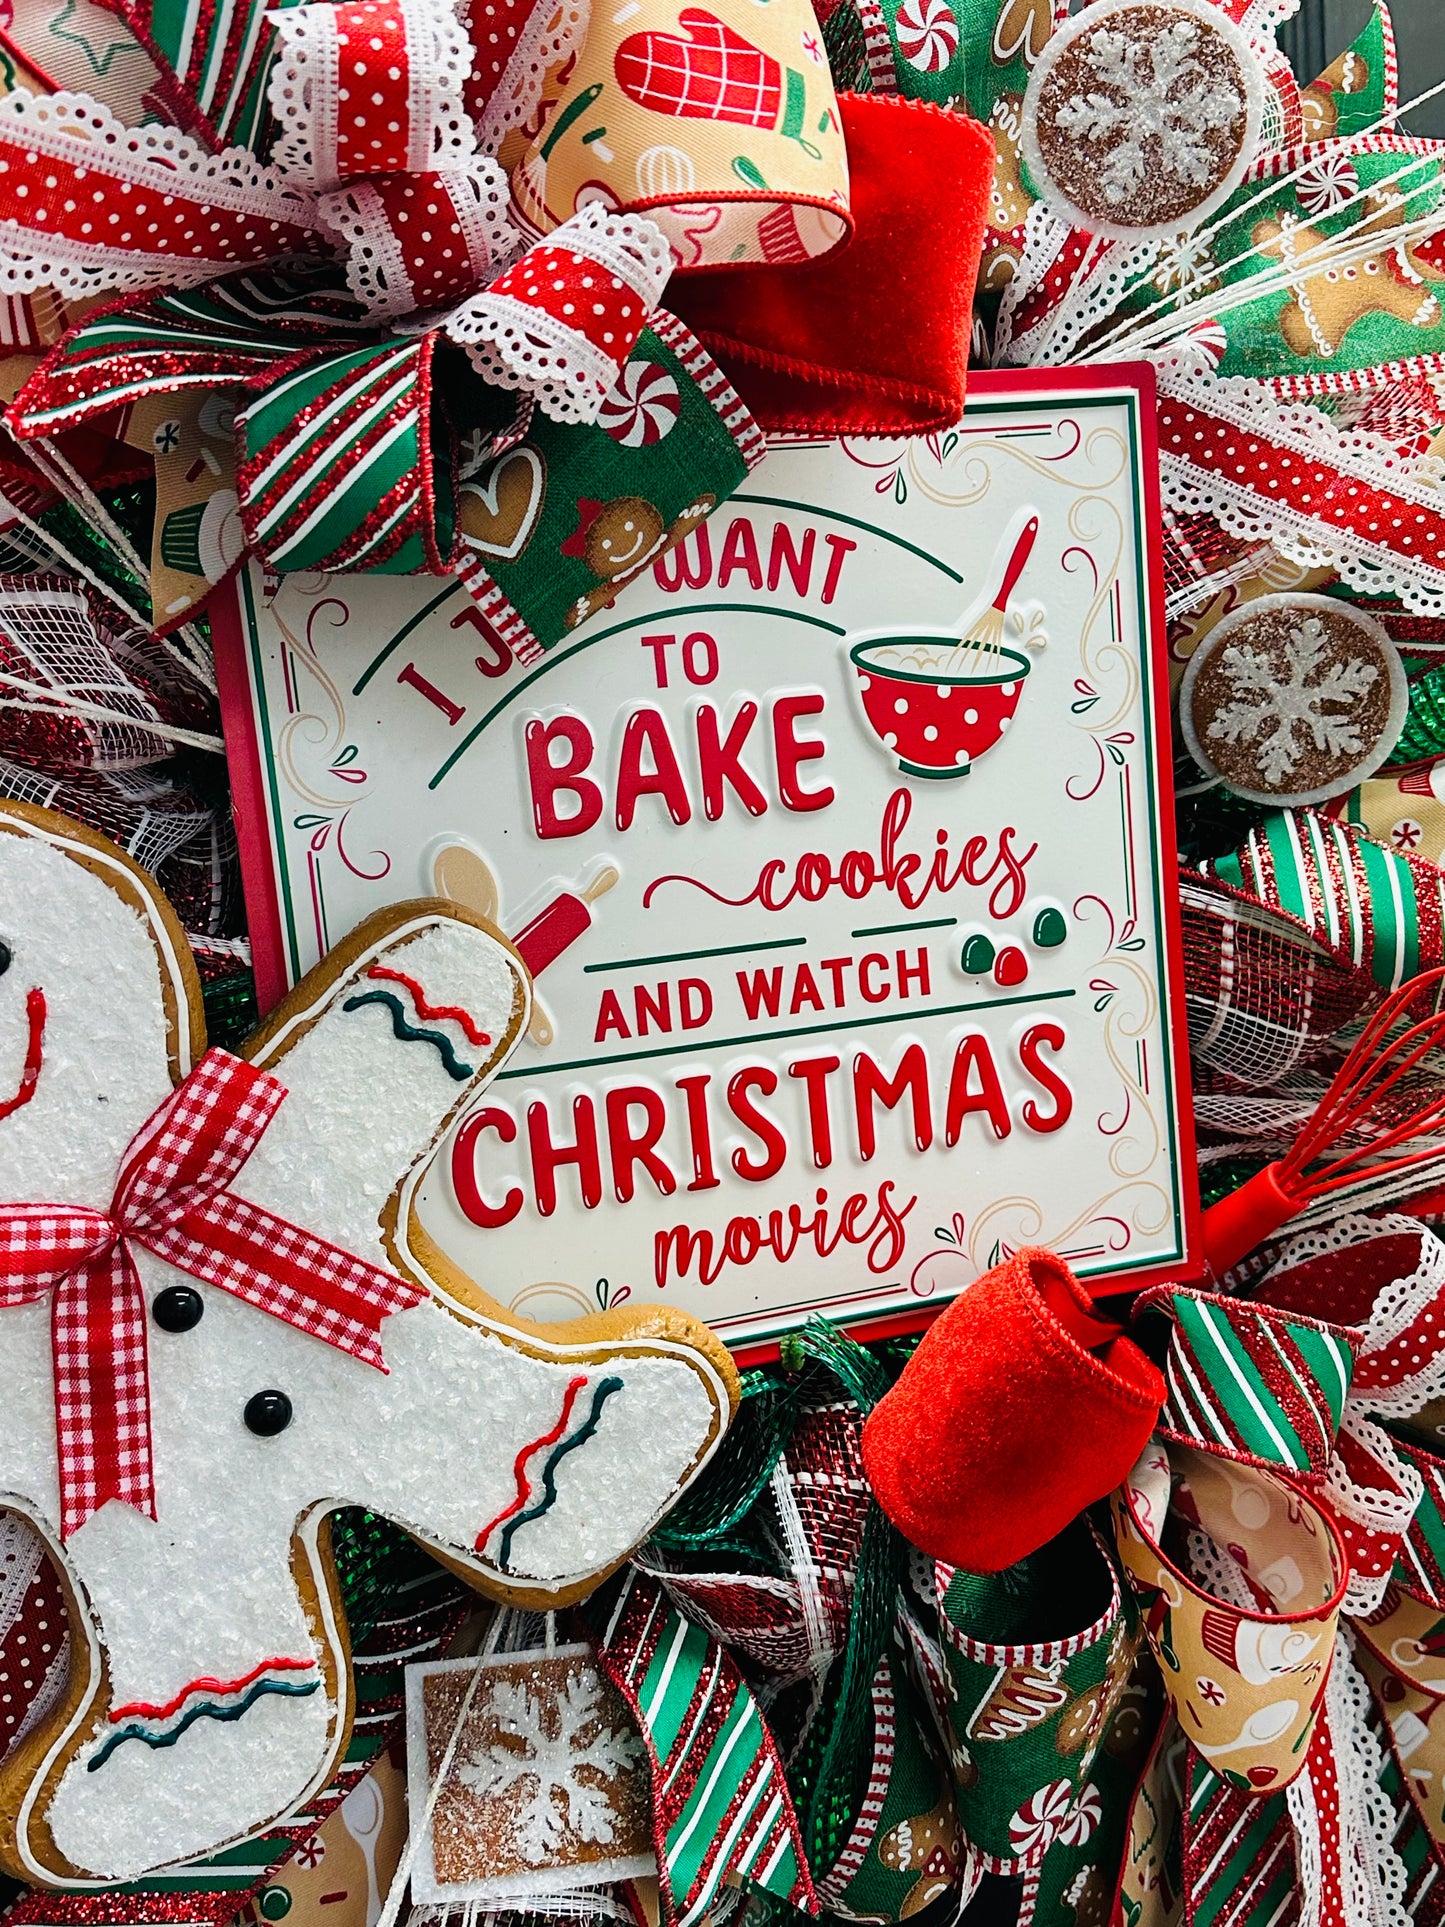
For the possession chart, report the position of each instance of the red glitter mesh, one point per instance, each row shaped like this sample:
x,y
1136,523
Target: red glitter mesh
x,y
57,637
187,846
789,1628
1262,1000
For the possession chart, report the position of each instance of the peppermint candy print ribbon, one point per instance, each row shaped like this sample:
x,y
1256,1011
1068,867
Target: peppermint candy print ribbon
x,y
556,526
1028,1715
173,1197
1245,1679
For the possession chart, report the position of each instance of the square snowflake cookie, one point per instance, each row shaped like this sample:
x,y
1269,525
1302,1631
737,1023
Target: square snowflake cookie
x,y
547,1788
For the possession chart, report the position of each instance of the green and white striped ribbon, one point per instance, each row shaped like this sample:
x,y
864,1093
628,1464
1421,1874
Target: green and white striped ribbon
x,y
721,1808
1369,906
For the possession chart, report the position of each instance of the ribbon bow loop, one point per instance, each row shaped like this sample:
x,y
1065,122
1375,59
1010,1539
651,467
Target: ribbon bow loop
x,y
41,1243
173,1196
177,1163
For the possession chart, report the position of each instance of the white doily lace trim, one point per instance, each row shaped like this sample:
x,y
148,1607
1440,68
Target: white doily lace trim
x,y
1044,239
517,346
1304,1818
1372,1507
552,35
1397,1305
1253,409
82,132
1373,1878
305,91
75,270
376,270
1109,276
1365,1808
1218,1571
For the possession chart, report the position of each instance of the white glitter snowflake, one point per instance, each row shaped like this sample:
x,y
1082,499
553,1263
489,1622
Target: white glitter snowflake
x,y
1281,714
546,1763
1160,103
1183,264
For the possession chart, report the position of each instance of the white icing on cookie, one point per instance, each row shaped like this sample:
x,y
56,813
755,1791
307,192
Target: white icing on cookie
x,y
104,1068
206,1592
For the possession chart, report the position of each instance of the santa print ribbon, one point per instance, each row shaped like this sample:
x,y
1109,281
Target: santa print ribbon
x,y
172,1196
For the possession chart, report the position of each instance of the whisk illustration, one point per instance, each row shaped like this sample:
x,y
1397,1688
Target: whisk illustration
x,y
984,635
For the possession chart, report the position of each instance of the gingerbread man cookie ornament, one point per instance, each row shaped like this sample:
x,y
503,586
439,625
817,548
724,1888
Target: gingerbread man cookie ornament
x,y
618,539
179,1427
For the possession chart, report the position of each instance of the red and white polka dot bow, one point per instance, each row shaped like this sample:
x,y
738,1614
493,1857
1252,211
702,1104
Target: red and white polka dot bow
x,y
172,1196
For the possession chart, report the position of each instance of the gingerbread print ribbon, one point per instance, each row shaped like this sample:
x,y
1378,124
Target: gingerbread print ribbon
x,y
172,1196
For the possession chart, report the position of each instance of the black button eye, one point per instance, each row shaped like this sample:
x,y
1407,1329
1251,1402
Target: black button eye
x,y
6,956
267,1413
177,1308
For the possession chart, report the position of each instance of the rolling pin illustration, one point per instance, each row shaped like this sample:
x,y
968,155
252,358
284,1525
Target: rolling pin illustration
x,y
562,921
462,873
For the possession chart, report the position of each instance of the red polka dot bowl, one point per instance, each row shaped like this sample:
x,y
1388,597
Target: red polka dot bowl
x,y
934,705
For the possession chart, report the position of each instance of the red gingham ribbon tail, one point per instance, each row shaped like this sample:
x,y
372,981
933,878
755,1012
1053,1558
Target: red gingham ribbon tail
x,y
196,1142
287,1271
102,1388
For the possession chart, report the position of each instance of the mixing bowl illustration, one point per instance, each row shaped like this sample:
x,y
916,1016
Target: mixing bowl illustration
x,y
936,699
934,720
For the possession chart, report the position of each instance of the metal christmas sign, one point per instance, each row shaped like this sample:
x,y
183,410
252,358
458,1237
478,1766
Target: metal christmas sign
x,y
839,848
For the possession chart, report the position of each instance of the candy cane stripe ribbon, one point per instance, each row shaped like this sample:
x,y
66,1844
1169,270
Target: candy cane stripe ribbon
x,y
172,1196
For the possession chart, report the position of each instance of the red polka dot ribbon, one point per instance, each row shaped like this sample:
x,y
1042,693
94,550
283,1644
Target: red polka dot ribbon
x,y
173,1196
420,241
1282,473
87,204
563,320
371,88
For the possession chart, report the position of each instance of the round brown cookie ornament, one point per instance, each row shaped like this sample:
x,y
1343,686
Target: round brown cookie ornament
x,y
1293,699
1141,116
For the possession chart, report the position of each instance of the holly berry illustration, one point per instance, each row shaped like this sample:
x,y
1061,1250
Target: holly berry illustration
x,y
712,75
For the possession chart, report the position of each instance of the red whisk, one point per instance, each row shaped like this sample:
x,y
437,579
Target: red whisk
x,y
1376,1065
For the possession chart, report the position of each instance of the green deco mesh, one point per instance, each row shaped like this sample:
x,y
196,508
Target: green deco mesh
x,y
722,1524
1423,736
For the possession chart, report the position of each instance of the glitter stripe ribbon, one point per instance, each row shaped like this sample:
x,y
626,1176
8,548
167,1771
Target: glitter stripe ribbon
x,y
720,1802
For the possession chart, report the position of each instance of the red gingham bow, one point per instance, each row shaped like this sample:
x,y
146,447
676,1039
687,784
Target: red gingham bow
x,y
171,1196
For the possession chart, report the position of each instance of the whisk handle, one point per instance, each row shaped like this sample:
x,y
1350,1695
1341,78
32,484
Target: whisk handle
x,y
1236,1224
1023,548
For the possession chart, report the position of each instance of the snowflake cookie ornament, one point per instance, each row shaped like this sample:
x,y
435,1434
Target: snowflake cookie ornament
x,y
219,1321
549,1784
1293,699
1142,116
